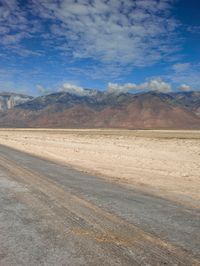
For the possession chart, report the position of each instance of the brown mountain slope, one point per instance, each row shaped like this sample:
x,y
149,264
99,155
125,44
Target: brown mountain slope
x,y
147,113
143,111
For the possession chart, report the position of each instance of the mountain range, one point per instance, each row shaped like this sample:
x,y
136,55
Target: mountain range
x,y
97,109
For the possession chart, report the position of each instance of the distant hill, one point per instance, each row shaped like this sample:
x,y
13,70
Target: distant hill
x,y
96,109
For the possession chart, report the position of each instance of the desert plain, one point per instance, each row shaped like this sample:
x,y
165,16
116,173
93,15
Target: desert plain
x,y
159,161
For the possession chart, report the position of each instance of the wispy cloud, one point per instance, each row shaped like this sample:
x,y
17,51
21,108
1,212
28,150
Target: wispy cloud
x,y
186,73
96,40
42,90
194,29
13,22
114,31
17,25
181,67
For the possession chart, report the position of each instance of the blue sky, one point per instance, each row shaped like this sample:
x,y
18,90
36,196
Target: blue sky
x,y
110,44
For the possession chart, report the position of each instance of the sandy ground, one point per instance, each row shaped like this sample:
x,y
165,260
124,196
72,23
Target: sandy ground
x,y
165,162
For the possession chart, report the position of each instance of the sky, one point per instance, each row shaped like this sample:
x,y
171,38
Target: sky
x,y
115,45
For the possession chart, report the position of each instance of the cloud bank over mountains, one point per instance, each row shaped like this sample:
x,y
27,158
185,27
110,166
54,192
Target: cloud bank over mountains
x,y
152,85
156,84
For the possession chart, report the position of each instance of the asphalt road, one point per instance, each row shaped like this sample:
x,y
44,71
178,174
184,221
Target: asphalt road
x,y
51,214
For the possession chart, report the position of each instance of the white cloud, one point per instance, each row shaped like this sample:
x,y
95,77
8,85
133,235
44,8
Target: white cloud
x,y
152,85
157,85
185,87
77,90
68,87
123,88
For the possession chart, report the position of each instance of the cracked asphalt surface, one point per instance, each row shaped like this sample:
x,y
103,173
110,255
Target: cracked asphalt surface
x,y
51,214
